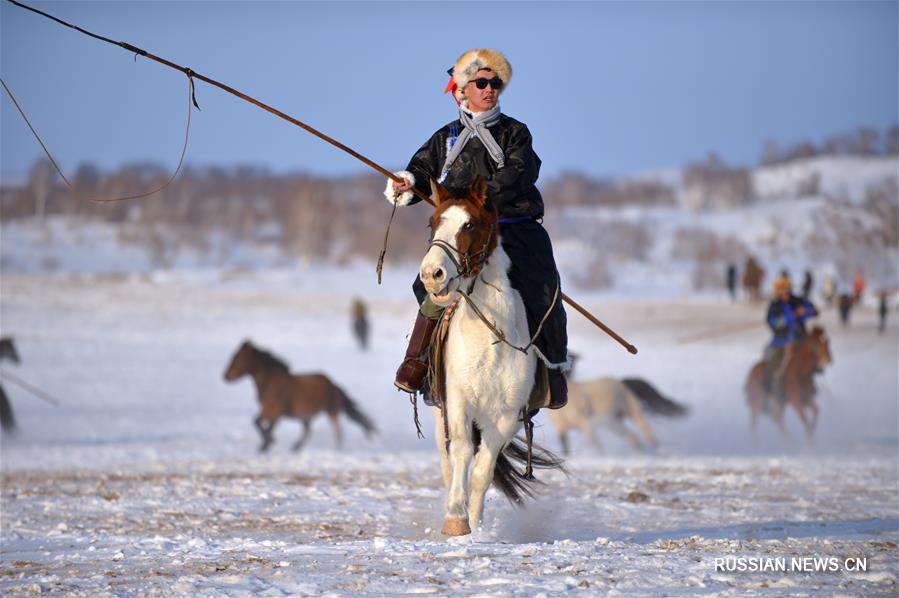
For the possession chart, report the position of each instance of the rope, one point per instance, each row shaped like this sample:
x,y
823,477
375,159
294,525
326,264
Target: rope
x,y
190,99
380,267
436,374
413,398
529,436
29,387
499,334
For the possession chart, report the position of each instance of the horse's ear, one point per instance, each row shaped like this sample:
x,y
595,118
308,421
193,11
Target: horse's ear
x,y
478,191
438,193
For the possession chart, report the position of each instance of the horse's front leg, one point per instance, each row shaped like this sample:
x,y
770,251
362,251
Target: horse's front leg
x,y
460,454
813,407
439,434
778,414
264,431
493,439
303,437
753,417
798,406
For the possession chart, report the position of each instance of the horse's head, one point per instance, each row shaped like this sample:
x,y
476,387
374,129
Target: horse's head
x,y
8,350
821,346
240,363
463,236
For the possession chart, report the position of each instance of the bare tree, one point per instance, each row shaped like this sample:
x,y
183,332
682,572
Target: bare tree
x,y
892,140
770,153
40,179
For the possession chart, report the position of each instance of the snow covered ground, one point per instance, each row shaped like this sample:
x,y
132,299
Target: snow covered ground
x,y
146,480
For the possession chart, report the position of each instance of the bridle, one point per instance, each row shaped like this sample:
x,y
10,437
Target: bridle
x,y
467,264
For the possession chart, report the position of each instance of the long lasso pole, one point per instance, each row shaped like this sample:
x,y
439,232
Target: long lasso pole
x,y
195,75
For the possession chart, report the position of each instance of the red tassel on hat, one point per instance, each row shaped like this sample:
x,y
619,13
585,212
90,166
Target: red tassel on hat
x,y
451,87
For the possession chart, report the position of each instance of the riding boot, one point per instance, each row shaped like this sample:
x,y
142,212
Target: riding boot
x,y
414,369
558,389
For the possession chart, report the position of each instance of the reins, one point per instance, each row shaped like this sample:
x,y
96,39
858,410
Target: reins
x,y
499,334
464,269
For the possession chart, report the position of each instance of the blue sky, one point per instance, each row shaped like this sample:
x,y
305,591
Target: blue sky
x,y
607,88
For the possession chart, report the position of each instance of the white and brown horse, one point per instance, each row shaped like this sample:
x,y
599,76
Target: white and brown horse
x,y
611,401
486,385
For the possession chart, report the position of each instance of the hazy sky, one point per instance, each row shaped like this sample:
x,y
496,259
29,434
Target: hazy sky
x,y
607,88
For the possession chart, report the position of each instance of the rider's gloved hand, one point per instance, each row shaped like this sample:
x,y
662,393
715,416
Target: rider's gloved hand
x,y
400,193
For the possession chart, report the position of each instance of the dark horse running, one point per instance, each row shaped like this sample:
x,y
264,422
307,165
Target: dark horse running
x,y
7,351
282,394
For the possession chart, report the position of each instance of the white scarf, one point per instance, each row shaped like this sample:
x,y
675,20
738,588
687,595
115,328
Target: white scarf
x,y
475,125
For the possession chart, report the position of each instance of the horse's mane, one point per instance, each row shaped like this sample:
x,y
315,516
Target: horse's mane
x,y
815,335
269,360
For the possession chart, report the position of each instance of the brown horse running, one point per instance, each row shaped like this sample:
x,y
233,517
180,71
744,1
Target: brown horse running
x,y
809,356
282,394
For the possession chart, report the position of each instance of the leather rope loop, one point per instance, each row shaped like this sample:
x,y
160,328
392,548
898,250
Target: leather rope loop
x,y
113,199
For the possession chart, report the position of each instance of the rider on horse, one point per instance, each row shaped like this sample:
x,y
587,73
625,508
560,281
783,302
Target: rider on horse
x,y
484,143
786,317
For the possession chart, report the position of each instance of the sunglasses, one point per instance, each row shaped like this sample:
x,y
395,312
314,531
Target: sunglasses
x,y
481,83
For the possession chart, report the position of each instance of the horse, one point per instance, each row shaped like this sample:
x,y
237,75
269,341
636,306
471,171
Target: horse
x,y
807,356
610,400
7,351
753,274
282,394
360,323
482,386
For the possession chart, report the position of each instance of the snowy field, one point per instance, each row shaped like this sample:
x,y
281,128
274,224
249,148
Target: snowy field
x,y
146,479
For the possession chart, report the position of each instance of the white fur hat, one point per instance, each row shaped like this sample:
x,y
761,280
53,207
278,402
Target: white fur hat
x,y
468,65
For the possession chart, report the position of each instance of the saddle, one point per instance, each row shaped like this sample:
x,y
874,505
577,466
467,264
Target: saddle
x,y
539,398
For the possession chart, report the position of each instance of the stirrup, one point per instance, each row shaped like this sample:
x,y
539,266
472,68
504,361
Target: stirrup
x,y
411,375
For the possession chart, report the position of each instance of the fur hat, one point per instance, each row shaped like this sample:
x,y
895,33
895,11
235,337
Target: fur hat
x,y
468,65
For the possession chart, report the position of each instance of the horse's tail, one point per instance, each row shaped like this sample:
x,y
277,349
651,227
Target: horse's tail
x,y
652,399
353,412
7,420
510,481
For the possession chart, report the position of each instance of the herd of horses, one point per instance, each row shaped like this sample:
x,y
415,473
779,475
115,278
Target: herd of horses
x,y
487,383
485,386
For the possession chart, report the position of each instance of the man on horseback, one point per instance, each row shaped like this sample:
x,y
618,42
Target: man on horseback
x,y
484,143
786,317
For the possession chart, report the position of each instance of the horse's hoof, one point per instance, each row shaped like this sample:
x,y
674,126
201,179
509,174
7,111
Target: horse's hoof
x,y
455,526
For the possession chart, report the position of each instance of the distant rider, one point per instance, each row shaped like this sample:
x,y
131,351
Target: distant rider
x,y
786,317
